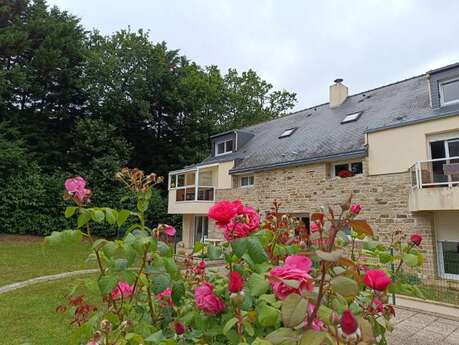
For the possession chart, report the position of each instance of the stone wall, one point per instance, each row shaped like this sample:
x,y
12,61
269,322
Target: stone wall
x,y
306,188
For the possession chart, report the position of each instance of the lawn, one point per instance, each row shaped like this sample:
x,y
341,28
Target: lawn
x,y
25,257
31,316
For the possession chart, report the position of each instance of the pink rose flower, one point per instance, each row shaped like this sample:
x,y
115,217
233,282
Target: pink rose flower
x,y
223,211
207,301
202,265
356,208
314,227
82,195
416,239
74,184
179,327
317,325
236,282
169,230
348,323
122,291
376,306
246,222
377,280
296,267
165,296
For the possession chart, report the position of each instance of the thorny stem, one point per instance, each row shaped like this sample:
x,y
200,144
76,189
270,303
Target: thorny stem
x,y
142,266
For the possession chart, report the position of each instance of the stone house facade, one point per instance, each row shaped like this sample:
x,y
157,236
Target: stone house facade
x,y
398,146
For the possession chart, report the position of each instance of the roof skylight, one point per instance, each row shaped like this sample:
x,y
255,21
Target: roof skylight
x,y
287,132
352,117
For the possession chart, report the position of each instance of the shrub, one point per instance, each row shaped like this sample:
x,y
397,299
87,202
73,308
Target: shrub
x,y
277,286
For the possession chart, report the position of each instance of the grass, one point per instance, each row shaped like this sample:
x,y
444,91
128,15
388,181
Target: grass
x,y
29,314
22,258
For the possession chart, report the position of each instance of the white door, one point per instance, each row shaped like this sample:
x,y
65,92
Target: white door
x,y
201,228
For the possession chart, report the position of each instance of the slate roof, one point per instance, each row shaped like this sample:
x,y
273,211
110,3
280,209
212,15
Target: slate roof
x,y
321,136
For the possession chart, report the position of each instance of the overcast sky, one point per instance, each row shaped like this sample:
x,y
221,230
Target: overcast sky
x,y
300,46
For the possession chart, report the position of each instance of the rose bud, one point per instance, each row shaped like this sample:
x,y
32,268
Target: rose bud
x,y
179,327
348,323
416,239
202,265
356,208
334,318
125,325
106,326
377,280
236,283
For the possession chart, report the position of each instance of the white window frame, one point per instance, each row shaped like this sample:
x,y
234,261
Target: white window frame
x,y
249,185
440,89
352,117
441,265
348,165
224,142
288,132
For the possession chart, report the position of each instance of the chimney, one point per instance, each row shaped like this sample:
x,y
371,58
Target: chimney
x,y
338,93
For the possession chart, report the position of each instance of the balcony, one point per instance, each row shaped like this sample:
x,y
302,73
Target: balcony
x,y
435,185
192,191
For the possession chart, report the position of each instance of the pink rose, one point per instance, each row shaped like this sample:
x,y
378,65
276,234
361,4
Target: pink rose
x,y
296,267
169,230
356,208
348,323
246,222
74,184
82,195
416,239
317,325
207,301
179,327
376,306
314,227
165,296
377,280
223,211
236,282
122,291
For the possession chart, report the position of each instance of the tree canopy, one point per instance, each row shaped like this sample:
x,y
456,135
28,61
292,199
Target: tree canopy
x,y
79,101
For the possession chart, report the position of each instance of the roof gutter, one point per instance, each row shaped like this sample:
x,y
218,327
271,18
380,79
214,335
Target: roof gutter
x,y
343,155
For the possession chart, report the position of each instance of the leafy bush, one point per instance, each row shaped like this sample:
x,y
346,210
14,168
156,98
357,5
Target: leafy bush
x,y
281,285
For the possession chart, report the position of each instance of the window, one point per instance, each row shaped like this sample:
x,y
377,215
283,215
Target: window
x,y
201,228
287,132
449,91
347,169
224,147
247,181
352,117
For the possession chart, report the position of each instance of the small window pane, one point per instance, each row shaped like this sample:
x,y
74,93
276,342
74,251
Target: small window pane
x,y
451,257
180,195
340,167
205,178
190,178
173,181
220,148
180,180
287,133
247,181
450,91
351,117
357,168
229,146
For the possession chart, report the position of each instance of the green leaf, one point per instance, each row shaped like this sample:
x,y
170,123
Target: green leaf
x,y
260,341
70,211
111,216
411,260
239,246
164,249
83,218
109,248
214,252
256,250
345,286
294,310
155,337
98,244
107,283
54,239
311,337
330,256
385,257
122,217
98,216
361,227
282,336
267,316
257,284
229,324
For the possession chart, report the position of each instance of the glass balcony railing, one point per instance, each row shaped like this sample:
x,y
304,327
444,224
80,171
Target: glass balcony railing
x,y
435,173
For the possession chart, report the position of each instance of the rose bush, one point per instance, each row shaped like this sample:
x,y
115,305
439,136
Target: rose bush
x,y
280,283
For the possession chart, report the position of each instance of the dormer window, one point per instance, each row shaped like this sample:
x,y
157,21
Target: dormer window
x,y
223,147
287,132
449,91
